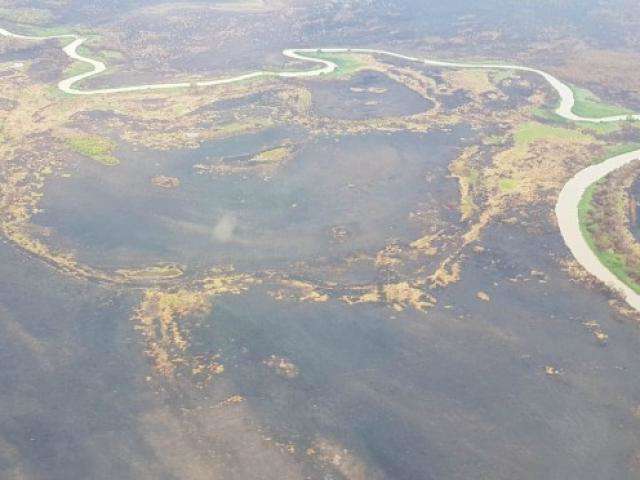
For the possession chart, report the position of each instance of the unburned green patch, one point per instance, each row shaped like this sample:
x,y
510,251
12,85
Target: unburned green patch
x,y
530,132
587,104
549,115
602,128
508,184
76,68
94,50
95,147
610,259
348,63
615,150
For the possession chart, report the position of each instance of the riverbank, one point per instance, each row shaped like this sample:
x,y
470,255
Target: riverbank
x,y
567,206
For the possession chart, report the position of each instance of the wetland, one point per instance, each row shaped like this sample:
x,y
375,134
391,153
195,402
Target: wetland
x,y
354,273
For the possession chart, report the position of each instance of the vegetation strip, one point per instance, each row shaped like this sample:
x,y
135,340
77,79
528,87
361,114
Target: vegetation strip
x,y
569,199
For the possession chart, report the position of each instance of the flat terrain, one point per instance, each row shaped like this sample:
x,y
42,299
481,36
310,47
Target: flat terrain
x,y
354,275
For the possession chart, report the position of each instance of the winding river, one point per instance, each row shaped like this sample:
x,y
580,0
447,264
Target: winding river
x,y
570,195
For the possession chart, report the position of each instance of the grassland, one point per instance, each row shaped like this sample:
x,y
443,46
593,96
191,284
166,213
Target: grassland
x,y
93,49
348,64
602,128
98,148
612,260
76,68
616,150
508,184
587,108
532,131
109,57
589,105
529,132
273,155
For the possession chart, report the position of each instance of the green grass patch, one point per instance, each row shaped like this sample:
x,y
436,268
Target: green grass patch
x,y
550,116
532,131
584,208
76,68
98,148
348,64
508,184
614,261
45,31
615,150
589,105
601,128
54,93
95,52
610,259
